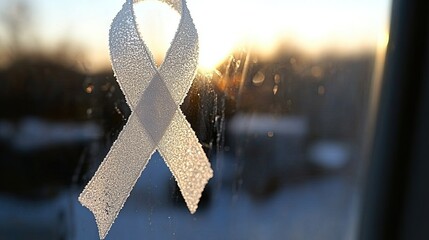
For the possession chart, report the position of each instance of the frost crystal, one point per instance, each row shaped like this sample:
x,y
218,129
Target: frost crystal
x,y
156,122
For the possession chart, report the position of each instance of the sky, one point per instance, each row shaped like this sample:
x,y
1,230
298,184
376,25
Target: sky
x,y
313,26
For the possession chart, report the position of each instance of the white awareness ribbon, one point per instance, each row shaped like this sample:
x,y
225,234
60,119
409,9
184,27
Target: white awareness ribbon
x,y
156,122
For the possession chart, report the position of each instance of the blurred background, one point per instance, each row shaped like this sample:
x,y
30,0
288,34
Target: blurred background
x,y
283,104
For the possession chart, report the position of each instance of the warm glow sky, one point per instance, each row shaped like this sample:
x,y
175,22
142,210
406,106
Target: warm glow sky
x,y
314,26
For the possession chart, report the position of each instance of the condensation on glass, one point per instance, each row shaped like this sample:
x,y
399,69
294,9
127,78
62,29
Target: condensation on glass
x,y
282,108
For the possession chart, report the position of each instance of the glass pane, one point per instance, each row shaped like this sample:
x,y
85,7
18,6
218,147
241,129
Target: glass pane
x,y
282,104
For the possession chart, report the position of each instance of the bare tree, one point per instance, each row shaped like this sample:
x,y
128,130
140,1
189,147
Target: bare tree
x,y
16,20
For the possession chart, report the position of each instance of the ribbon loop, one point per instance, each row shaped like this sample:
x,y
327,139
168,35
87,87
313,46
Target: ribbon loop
x,y
156,122
181,58
129,56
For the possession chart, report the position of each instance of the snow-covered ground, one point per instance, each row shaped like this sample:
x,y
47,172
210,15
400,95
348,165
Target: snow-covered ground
x,y
318,209
321,208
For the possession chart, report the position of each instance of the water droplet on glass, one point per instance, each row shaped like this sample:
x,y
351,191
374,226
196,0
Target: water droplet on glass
x,y
258,79
277,78
237,63
216,74
89,88
275,89
317,71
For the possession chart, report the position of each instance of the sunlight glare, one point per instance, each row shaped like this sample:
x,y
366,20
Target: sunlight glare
x,y
307,26
158,23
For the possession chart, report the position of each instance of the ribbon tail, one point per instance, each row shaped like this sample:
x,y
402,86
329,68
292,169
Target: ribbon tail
x,y
111,185
186,159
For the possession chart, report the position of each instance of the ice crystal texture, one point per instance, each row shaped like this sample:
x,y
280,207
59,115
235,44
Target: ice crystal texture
x,y
156,122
